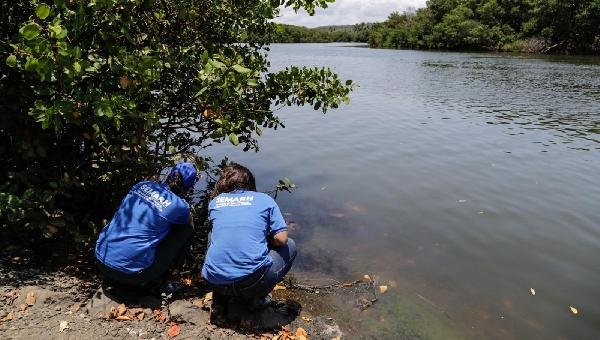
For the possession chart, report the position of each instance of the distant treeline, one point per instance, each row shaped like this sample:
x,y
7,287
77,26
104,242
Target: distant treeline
x,y
538,26
300,34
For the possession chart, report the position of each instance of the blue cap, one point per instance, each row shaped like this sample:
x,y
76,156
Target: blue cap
x,y
188,173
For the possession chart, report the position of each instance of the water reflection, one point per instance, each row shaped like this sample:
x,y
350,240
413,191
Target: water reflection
x,y
526,93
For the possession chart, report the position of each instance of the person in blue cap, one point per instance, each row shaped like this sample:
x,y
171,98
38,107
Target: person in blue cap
x,y
249,250
150,232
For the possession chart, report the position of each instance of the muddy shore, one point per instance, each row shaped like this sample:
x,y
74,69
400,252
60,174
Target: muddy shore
x,y
69,302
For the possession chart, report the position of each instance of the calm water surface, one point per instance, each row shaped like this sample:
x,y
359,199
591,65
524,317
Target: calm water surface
x,y
463,179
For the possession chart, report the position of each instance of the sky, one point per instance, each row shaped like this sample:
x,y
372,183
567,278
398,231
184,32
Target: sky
x,y
348,12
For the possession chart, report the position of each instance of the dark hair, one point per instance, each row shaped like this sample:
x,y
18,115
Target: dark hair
x,y
234,177
175,183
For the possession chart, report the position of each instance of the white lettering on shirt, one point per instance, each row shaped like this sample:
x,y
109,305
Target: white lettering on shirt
x,y
153,197
224,201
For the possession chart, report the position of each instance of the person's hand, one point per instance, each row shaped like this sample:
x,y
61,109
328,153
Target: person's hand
x,y
279,239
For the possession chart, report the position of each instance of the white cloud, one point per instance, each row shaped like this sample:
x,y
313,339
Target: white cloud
x,y
347,12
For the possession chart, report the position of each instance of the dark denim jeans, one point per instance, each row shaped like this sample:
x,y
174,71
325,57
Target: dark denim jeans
x,y
263,283
169,253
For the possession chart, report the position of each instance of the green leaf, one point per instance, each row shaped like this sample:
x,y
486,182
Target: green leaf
x,y
30,31
57,31
104,109
286,184
76,52
31,64
241,69
218,133
233,138
11,60
77,67
252,82
44,69
258,131
202,90
63,49
216,64
42,11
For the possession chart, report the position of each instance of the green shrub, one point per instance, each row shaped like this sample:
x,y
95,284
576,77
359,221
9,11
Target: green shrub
x,y
100,94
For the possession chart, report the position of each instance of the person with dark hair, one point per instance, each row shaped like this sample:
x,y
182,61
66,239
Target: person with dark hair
x,y
249,250
150,232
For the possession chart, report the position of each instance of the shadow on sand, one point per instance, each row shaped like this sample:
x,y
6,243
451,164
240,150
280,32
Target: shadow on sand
x,y
194,305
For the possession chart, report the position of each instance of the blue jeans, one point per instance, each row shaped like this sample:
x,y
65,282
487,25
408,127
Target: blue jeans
x,y
261,283
170,253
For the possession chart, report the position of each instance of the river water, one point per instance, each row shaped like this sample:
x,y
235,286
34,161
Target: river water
x,y
460,180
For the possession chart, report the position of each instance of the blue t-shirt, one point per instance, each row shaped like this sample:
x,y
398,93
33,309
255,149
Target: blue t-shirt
x,y
128,243
241,222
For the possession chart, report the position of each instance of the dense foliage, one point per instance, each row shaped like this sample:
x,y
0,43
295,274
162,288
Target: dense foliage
x,y
325,34
98,94
519,25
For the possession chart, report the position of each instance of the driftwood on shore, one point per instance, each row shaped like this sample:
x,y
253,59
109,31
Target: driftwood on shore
x,y
550,49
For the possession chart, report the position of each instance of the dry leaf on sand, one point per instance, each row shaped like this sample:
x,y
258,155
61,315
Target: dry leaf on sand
x,y
159,315
136,313
8,317
301,333
383,289
279,287
174,330
63,325
121,310
30,300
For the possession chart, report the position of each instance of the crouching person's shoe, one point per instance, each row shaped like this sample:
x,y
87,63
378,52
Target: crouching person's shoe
x,y
260,303
218,309
218,314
